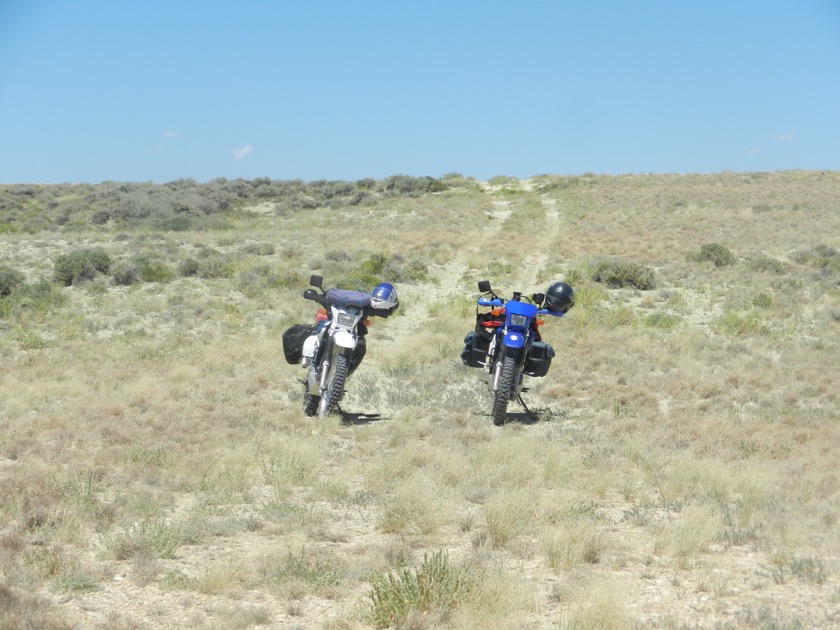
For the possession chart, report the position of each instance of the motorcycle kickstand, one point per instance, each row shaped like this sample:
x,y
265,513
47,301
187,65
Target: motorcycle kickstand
x,y
530,413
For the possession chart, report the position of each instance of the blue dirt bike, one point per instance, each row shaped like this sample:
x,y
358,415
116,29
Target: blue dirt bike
x,y
507,343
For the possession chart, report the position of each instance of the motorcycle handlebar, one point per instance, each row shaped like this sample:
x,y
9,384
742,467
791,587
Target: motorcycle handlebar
x,y
501,302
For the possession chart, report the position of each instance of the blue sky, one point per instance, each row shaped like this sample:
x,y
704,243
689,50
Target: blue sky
x,y
95,90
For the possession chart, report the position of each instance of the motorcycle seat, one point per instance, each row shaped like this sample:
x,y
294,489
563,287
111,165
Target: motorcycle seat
x,y
343,298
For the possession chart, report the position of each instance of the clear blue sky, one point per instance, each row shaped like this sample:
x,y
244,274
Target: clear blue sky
x,y
153,90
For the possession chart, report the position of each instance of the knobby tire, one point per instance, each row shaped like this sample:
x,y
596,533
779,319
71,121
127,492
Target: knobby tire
x,y
502,394
335,388
310,404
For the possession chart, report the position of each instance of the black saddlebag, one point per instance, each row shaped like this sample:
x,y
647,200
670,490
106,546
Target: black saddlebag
x,y
539,359
293,338
474,353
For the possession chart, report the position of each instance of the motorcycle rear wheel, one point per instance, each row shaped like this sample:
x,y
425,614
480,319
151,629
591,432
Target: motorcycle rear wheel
x,y
501,396
310,404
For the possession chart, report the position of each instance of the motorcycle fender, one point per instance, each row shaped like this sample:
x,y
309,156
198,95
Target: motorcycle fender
x,y
313,383
345,339
310,347
514,340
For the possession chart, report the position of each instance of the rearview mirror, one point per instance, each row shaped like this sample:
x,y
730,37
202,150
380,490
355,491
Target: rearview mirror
x,y
310,294
316,281
484,286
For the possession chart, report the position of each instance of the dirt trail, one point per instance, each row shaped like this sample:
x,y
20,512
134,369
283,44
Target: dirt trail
x,y
418,300
550,232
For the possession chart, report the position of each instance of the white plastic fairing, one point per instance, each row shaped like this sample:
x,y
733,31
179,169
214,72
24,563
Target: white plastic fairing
x,y
310,347
345,339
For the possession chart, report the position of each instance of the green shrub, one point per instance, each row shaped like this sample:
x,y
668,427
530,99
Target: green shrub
x,y
76,582
142,267
348,274
259,249
213,264
81,265
614,317
151,538
763,301
10,280
825,259
188,267
820,256
662,320
408,186
174,224
766,264
154,271
29,339
732,323
100,217
621,273
39,298
255,281
715,253
434,586
315,571
375,264
125,272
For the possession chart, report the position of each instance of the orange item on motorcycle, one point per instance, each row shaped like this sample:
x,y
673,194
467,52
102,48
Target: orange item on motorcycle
x,y
493,319
321,315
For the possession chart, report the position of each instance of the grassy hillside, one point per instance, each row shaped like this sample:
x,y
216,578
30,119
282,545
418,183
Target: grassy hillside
x,y
157,471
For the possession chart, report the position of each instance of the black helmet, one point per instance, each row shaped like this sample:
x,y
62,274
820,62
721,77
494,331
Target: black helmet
x,y
560,297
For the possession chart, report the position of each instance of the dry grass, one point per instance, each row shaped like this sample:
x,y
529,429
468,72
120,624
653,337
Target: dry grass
x,y
156,469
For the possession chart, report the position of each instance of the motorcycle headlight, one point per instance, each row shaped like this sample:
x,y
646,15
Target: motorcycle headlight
x,y
520,321
346,320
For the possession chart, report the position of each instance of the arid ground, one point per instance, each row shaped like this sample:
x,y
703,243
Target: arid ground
x,y
680,471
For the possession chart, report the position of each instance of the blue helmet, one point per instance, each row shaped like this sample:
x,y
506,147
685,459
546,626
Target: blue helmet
x,y
384,297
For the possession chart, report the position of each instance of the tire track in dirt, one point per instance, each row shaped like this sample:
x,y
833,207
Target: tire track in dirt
x,y
416,313
548,236
418,301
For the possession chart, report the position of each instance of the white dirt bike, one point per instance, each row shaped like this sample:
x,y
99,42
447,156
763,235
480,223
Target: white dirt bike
x,y
335,347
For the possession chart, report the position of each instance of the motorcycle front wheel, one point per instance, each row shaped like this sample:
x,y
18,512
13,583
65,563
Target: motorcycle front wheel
x,y
335,386
501,396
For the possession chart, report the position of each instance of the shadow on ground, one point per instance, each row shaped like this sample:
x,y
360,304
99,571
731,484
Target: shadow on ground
x,y
352,417
533,416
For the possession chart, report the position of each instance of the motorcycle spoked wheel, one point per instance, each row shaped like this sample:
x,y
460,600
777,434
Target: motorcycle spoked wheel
x,y
501,397
335,386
